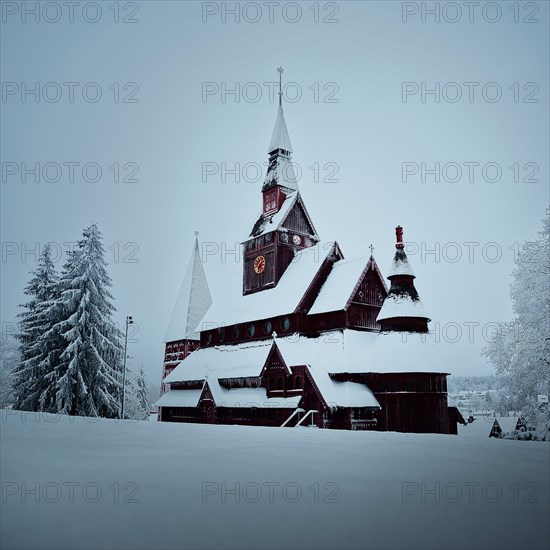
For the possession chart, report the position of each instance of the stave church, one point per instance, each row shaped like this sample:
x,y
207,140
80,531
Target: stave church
x,y
311,338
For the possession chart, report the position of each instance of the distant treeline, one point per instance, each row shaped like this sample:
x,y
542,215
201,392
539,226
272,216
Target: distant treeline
x,y
473,383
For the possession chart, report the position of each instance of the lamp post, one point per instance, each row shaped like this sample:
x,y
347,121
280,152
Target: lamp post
x,y
129,321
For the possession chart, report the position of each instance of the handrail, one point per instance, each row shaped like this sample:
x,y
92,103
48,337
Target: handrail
x,y
307,414
298,410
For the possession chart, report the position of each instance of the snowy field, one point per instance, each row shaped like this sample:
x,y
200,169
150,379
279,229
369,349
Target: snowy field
x,y
72,483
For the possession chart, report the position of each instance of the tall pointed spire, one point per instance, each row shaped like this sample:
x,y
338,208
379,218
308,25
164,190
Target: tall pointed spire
x,y
280,170
193,300
280,138
402,310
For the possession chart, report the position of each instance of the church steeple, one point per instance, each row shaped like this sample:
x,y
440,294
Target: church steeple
x,y
193,300
284,226
402,310
280,180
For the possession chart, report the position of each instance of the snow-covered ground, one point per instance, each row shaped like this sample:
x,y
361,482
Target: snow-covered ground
x,y
79,483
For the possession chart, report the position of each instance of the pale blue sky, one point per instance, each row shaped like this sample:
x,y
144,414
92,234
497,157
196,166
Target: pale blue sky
x,y
369,132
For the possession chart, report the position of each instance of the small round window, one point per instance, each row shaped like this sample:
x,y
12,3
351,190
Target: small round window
x,y
286,324
236,332
251,330
268,326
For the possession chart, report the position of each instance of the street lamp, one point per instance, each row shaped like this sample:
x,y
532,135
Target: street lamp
x,y
129,321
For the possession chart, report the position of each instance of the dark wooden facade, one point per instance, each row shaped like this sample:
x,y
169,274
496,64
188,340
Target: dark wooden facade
x,y
359,312
174,353
409,401
267,255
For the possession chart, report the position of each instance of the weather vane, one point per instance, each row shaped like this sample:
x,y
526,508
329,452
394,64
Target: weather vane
x,y
280,71
196,233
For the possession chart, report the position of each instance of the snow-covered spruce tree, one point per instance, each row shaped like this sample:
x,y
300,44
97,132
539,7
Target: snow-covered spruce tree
x,y
143,405
29,375
520,350
9,360
137,404
88,376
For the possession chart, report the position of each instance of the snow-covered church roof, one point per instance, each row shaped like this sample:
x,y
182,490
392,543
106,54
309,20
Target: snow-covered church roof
x,y
340,284
402,306
333,352
265,224
193,301
400,264
357,351
283,299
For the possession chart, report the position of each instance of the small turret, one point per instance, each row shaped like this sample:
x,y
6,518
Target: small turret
x,y
402,310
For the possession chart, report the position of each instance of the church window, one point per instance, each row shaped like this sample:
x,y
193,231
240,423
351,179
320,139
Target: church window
x,y
286,324
236,332
251,330
268,326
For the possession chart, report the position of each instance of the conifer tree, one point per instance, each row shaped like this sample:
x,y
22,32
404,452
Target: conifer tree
x,y
88,375
29,376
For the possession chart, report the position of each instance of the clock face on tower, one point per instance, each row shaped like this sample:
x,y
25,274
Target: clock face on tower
x,y
297,240
259,264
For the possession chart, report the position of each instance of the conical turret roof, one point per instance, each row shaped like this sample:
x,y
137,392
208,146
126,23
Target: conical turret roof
x,y
280,138
193,301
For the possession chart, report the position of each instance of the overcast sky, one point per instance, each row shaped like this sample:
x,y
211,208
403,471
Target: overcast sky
x,y
163,111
